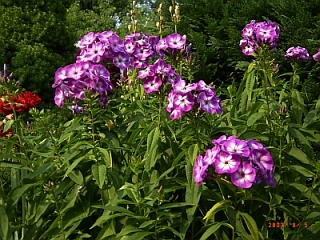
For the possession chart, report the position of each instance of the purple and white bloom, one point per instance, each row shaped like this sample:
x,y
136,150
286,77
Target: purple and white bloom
x,y
202,86
162,44
297,54
121,60
176,113
262,157
152,84
316,56
142,52
116,43
104,36
59,97
209,103
87,39
248,30
183,102
183,88
199,170
244,176
60,76
76,70
103,99
146,72
173,77
161,67
210,156
175,41
220,140
270,179
129,46
248,46
266,34
253,144
226,163
95,52
236,146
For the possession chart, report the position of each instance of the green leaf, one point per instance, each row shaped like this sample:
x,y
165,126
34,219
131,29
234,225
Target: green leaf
x,y
192,153
76,176
73,165
305,172
175,205
297,134
16,165
251,225
99,172
147,223
298,154
8,125
253,118
128,229
211,230
137,236
4,223
107,156
250,82
224,204
15,194
306,192
152,148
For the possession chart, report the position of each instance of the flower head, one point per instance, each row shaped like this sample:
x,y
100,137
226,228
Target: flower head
x,y
297,54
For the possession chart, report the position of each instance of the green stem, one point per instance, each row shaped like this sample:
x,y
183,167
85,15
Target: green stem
x,y
58,212
266,92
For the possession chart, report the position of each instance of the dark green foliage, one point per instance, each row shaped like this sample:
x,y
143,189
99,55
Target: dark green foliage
x,y
35,42
214,28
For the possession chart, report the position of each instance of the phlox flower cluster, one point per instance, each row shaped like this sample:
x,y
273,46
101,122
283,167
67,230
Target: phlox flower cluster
x,y
259,34
136,51
23,102
247,163
184,96
297,54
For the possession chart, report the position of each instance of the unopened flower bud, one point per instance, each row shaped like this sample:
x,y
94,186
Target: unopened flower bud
x,y
135,23
129,28
170,9
134,3
157,24
177,10
161,18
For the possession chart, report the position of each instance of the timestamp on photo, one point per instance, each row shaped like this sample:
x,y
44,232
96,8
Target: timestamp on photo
x,y
283,224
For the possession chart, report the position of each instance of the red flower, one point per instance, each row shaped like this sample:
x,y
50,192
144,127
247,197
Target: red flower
x,y
22,103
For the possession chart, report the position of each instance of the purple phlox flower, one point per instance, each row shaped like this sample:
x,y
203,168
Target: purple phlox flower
x,y
87,39
138,63
188,48
220,140
183,102
176,113
210,156
60,76
162,44
316,56
170,100
100,79
161,67
121,60
199,170
253,144
95,52
152,84
202,86
248,31
153,41
266,33
76,108
248,46
76,70
133,36
173,77
236,146
175,41
129,46
182,88
244,176
142,52
226,163
116,44
297,54
103,99
146,72
270,179
104,36
209,103
76,87
59,97
262,157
